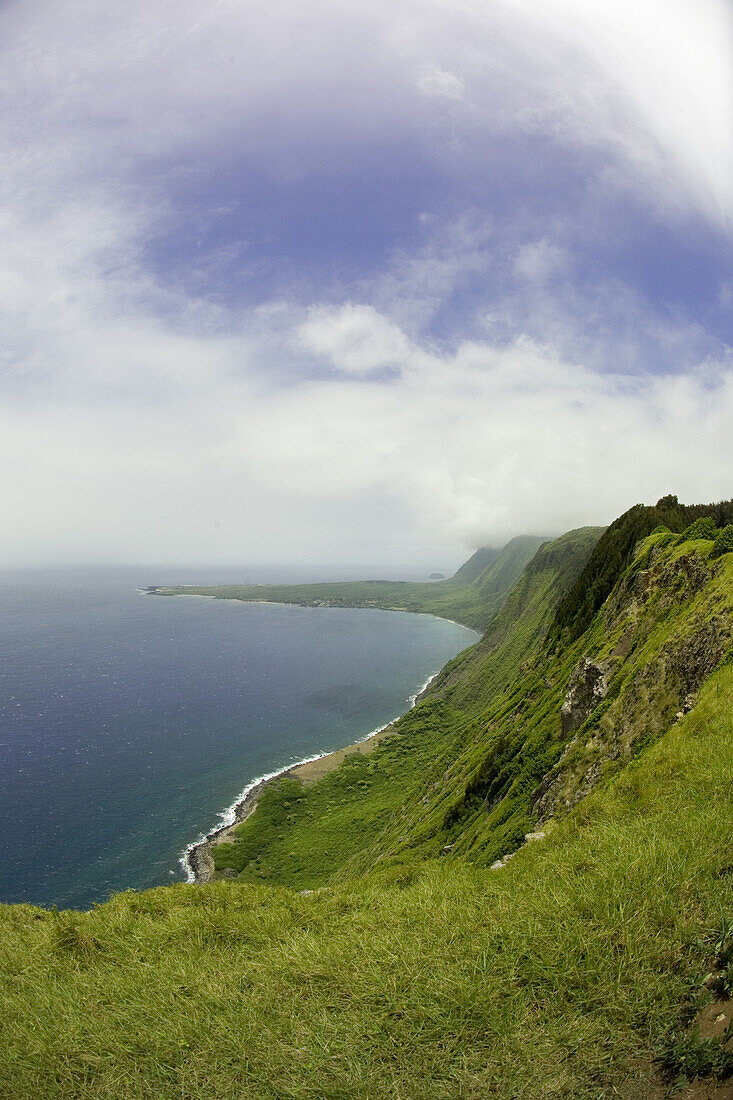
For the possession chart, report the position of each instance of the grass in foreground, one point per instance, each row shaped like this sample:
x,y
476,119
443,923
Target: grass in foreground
x,y
563,975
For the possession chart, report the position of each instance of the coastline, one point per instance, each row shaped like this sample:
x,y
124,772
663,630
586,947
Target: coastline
x,y
198,862
161,590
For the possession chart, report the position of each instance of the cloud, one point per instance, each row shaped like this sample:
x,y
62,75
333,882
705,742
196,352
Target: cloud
x,y
649,80
441,84
459,449
356,338
491,442
368,417
538,261
669,64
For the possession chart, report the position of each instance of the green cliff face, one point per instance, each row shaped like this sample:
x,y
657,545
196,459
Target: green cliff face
x,y
525,891
304,835
510,734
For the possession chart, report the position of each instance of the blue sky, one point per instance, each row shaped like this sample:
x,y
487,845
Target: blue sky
x,y
365,283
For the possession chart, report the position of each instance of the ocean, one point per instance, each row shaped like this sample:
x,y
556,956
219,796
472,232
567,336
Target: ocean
x,y
129,723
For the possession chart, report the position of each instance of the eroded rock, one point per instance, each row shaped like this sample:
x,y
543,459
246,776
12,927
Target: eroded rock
x,y
587,688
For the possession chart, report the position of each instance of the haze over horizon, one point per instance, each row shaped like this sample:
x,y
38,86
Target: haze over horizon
x,y
359,283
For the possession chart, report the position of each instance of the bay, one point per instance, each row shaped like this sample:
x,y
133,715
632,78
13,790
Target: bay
x,y
129,722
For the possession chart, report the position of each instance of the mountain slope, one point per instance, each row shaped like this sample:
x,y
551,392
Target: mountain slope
x,y
489,752
475,565
304,835
572,714
521,623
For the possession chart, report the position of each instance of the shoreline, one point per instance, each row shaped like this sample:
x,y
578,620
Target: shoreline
x,y
197,860
158,590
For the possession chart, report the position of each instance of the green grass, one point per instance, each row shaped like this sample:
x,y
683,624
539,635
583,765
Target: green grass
x,y
563,975
302,835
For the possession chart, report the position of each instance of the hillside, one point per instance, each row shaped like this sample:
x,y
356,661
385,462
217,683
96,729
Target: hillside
x,y
303,836
525,890
471,597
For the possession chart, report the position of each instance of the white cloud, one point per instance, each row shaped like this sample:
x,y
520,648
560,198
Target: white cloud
x,y
459,449
538,261
492,442
441,84
671,65
356,338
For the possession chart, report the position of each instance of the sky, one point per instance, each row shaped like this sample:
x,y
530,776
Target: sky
x,y
359,282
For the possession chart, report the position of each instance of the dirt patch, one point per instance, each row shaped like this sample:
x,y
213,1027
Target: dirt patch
x,y
714,1019
316,769
706,1090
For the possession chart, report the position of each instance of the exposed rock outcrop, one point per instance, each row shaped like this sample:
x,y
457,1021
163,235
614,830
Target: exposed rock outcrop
x,y
587,688
658,692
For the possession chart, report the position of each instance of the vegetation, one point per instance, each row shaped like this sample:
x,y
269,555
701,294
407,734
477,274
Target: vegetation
x,y
565,974
301,835
364,810
474,765
723,542
526,890
702,528
472,596
615,551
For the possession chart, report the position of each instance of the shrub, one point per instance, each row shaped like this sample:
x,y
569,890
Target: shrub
x,y
723,542
702,528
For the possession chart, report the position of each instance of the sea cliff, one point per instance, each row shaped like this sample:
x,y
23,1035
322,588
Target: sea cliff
x,y
524,888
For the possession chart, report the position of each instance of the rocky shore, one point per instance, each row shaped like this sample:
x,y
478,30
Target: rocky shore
x,y
199,859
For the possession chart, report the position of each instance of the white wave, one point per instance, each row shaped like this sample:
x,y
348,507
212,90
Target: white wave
x,y
228,816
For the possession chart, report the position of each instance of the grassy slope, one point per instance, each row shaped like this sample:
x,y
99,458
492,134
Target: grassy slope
x,y
468,598
671,605
560,976
520,625
302,836
464,768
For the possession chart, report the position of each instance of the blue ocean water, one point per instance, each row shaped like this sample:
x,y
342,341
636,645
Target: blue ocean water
x,y
129,722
